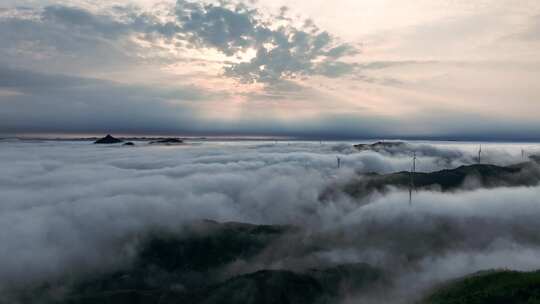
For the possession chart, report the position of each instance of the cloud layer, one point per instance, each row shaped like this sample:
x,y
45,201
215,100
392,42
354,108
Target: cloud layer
x,y
74,206
283,49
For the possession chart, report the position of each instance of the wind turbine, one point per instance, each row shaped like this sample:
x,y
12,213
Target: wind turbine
x,y
480,154
411,182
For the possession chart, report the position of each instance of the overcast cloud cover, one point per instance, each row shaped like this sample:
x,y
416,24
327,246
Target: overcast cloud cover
x,y
73,207
345,69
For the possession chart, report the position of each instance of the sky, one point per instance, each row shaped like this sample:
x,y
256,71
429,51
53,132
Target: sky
x,y
318,69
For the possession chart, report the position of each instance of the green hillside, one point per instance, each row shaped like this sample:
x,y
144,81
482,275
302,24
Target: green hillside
x,y
494,287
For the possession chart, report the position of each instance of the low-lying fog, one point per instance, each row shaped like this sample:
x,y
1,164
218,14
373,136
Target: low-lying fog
x,y
72,207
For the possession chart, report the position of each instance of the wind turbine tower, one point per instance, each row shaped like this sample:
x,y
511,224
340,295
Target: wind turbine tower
x,y
480,154
413,172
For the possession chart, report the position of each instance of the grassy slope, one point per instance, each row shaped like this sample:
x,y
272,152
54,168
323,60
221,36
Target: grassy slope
x,y
488,176
496,287
185,268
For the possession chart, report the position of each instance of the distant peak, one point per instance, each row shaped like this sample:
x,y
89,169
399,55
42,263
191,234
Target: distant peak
x,y
109,139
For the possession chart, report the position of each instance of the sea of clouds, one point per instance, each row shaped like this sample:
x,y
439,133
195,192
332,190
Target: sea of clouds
x,y
74,207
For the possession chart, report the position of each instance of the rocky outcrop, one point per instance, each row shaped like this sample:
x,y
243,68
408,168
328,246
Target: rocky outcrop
x,y
108,140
